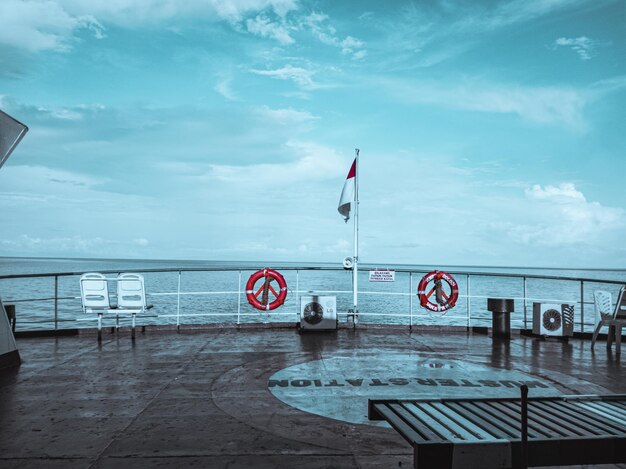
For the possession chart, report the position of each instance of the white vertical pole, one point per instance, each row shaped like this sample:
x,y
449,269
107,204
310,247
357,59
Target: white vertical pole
x,y
469,306
355,270
582,306
525,313
411,301
297,294
178,303
239,300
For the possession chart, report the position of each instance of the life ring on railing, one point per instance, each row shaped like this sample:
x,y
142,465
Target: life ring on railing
x,y
260,298
443,301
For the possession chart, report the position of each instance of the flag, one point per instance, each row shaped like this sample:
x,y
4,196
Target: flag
x,y
347,194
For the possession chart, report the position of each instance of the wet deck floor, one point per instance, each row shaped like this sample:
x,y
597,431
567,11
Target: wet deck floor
x,y
259,397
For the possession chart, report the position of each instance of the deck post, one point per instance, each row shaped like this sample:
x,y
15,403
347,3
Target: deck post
x,y
239,301
410,301
178,303
469,309
582,306
56,302
525,313
297,291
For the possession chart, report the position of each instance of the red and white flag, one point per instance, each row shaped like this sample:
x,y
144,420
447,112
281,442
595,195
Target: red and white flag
x,y
346,200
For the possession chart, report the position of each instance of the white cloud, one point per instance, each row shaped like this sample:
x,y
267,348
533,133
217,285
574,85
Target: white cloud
x,y
566,192
52,114
421,36
38,25
223,87
317,23
303,162
314,162
327,34
94,26
149,11
286,116
583,46
545,105
62,113
562,216
41,177
38,245
235,9
57,212
142,242
263,26
519,11
301,76
42,25
76,245
609,84
528,225
351,45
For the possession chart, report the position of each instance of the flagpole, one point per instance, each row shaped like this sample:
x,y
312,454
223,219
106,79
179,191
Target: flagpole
x,y
355,270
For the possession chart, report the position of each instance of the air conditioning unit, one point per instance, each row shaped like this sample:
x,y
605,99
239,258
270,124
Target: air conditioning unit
x,y
318,312
553,319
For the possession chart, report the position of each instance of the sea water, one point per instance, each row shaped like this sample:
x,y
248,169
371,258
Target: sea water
x,y
198,297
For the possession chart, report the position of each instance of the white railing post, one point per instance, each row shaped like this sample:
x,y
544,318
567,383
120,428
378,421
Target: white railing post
x,y
525,311
468,300
178,303
239,301
410,301
56,302
297,294
582,306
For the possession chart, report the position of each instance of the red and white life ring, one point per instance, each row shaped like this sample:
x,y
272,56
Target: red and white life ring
x,y
443,301
260,298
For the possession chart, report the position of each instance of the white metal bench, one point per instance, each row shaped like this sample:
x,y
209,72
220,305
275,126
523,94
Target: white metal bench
x,y
131,297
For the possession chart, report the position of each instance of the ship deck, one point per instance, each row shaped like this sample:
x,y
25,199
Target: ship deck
x,y
218,398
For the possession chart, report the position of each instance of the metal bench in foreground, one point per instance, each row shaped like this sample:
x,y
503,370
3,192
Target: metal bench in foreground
x,y
487,433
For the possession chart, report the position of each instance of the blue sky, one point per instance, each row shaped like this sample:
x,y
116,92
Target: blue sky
x,y
491,133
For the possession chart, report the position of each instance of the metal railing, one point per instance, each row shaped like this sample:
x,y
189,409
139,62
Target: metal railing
x,y
470,310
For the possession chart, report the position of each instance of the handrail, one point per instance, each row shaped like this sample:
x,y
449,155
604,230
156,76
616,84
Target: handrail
x,y
409,314
363,268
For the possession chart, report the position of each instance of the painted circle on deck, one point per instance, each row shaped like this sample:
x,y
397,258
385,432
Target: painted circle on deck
x,y
338,387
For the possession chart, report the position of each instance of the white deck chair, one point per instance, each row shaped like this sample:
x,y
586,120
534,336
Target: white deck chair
x,y
609,316
94,294
131,296
603,301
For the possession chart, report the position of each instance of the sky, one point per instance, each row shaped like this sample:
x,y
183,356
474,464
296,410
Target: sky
x,y
491,133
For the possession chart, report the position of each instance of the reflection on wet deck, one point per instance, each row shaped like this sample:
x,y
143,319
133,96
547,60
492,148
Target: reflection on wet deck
x,y
260,397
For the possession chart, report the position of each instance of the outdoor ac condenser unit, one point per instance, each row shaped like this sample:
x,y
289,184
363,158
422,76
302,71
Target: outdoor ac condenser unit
x,y
318,312
553,319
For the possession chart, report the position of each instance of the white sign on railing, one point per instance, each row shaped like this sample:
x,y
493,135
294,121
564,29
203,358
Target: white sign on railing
x,y
382,275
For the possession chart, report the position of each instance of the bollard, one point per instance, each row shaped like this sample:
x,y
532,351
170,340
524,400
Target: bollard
x,y
501,309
